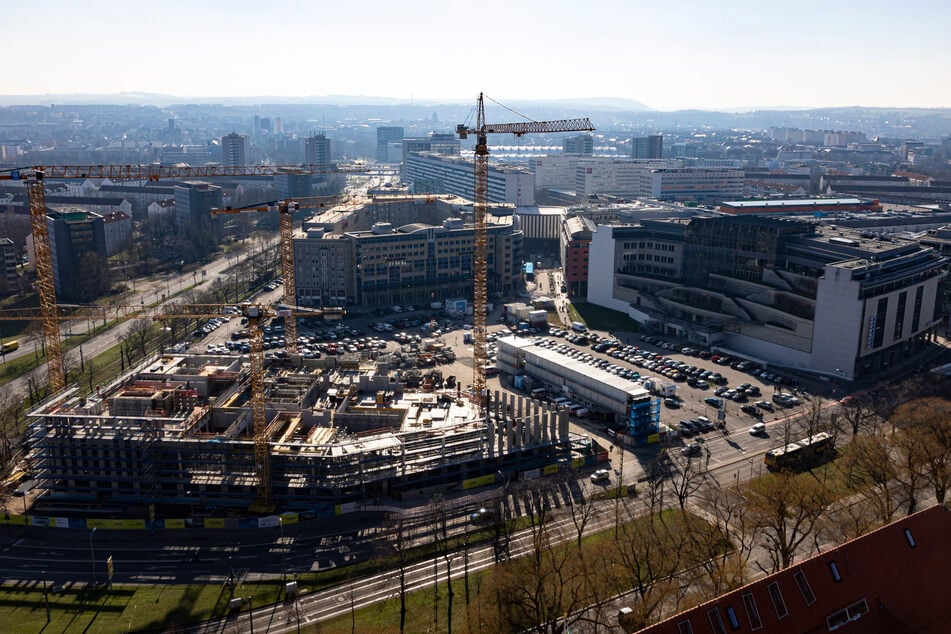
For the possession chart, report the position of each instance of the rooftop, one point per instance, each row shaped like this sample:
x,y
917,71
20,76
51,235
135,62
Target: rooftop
x,y
891,580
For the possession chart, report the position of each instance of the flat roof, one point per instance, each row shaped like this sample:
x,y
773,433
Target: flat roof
x,y
801,202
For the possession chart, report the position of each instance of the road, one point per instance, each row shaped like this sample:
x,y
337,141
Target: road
x,y
149,292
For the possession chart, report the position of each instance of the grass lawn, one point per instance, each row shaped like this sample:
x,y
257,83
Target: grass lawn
x,y
600,318
121,608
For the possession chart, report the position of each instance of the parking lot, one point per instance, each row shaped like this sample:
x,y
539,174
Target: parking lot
x,y
695,384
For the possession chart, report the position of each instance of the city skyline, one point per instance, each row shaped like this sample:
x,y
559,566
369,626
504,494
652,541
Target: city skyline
x,y
731,55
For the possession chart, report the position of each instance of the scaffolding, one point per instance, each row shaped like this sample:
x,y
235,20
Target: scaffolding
x,y
178,430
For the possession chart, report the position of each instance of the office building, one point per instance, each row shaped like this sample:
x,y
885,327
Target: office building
x,y
779,292
317,150
616,398
429,172
193,155
692,184
193,205
541,228
580,144
234,150
414,249
78,250
616,177
555,172
9,261
649,147
118,232
385,136
576,233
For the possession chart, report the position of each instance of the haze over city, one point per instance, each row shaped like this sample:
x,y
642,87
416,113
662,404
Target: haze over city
x,y
725,55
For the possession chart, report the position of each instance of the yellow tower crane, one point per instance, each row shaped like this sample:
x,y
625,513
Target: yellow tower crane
x,y
481,201
285,209
43,259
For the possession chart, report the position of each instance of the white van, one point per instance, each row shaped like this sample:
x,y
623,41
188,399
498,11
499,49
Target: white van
x,y
577,326
539,393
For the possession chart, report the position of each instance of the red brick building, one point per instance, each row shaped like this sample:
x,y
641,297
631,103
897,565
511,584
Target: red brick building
x,y
891,581
575,242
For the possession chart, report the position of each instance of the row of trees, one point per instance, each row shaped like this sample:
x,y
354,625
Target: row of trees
x,y
689,537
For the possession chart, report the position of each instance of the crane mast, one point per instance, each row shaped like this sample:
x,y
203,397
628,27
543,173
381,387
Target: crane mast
x,y
255,314
480,223
46,287
45,282
285,209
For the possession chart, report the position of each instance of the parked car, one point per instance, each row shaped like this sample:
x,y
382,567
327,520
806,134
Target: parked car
x,y
601,475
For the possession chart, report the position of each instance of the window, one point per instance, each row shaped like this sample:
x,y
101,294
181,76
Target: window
x,y
900,315
731,616
715,622
834,569
910,538
804,588
684,627
878,331
852,613
777,598
751,611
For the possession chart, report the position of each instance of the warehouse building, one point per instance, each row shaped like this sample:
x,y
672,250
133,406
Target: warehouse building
x,y
622,400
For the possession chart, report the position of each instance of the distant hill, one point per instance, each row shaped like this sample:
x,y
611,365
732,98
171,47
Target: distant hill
x,y
156,99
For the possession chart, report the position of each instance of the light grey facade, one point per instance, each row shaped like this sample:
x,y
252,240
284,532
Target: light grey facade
x,y
439,174
780,292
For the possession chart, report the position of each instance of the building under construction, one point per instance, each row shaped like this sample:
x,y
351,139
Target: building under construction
x,y
178,431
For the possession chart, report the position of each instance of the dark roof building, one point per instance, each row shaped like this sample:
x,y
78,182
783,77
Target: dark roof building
x,y
892,580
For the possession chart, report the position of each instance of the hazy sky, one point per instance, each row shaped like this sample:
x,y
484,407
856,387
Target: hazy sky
x,y
667,54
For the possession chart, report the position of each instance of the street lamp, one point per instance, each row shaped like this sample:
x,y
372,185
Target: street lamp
x,y
250,614
92,556
46,597
280,523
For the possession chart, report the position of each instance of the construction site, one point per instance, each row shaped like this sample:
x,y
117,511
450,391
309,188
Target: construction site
x,y
275,434
179,431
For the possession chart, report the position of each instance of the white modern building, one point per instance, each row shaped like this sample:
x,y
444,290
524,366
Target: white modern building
x,y
619,177
780,292
440,174
692,184
555,172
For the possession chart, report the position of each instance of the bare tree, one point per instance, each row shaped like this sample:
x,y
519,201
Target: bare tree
x,y
871,471
645,558
10,431
689,474
911,466
437,521
582,508
785,509
138,335
545,590
929,419
723,544
397,548
858,415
